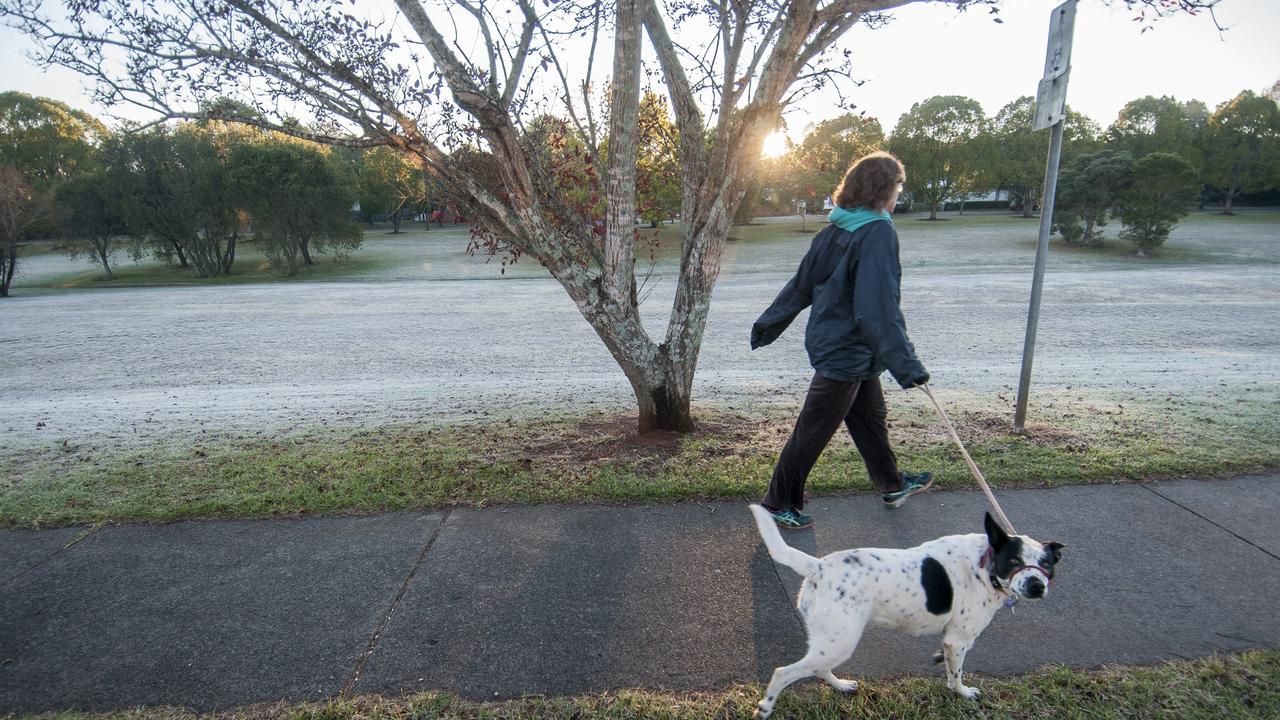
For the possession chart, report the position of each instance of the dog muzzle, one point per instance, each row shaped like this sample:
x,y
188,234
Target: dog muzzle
x,y
1035,583
1034,586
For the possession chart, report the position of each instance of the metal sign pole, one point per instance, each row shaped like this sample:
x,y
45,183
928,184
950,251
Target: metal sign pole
x,y
1037,280
1051,112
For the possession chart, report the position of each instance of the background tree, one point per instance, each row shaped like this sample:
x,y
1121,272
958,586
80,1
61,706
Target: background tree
x,y
366,84
778,189
1242,146
387,181
566,164
22,208
44,139
1017,154
824,155
92,215
1156,124
1088,189
296,198
179,194
1162,189
157,207
935,140
204,151
657,161
43,142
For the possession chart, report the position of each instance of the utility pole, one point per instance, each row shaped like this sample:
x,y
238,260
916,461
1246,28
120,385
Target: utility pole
x,y
1051,112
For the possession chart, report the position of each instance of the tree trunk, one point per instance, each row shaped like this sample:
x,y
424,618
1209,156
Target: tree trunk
x,y
305,246
1232,189
933,210
665,407
395,226
662,395
177,249
6,272
1028,204
102,255
229,255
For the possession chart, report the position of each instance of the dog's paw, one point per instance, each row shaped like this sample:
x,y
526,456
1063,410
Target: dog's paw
x,y
844,686
965,691
760,714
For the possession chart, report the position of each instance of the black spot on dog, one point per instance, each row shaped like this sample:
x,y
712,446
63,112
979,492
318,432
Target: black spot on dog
x,y
1008,558
1052,554
937,587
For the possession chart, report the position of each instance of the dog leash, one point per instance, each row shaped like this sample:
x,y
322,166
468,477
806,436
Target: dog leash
x,y
982,482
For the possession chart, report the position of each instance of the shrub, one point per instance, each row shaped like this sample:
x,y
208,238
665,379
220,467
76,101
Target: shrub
x,y
1162,190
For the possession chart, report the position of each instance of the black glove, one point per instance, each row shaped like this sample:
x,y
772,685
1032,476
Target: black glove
x,y
916,381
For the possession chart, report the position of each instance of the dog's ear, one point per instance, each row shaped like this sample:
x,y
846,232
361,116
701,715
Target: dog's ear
x,y
1056,549
995,534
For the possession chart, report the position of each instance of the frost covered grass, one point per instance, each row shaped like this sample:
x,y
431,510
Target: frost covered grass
x,y
975,239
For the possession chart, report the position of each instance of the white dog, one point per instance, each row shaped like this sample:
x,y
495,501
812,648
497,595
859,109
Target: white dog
x,y
950,586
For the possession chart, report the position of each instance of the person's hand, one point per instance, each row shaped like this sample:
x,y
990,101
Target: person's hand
x,y
916,381
757,337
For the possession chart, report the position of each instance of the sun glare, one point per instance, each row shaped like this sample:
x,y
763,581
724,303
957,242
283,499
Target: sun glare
x,y
775,144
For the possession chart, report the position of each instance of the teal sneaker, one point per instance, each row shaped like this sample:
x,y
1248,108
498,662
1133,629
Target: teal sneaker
x,y
790,519
912,484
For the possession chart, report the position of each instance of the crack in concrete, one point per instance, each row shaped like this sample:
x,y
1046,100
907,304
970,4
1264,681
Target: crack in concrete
x,y
86,533
1220,526
349,687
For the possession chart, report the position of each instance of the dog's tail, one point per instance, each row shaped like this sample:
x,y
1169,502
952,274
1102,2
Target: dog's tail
x,y
801,562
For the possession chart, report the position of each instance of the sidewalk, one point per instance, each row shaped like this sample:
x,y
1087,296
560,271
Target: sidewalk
x,y
502,602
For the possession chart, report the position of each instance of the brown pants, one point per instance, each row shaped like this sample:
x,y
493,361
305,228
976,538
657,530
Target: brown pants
x,y
860,405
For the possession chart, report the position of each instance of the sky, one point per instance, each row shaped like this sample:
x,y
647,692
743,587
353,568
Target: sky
x,y
931,49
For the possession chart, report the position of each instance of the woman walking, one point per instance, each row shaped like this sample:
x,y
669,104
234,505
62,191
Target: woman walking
x,y
850,276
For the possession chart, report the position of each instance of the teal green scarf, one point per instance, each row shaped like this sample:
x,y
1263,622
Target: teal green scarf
x,y
853,219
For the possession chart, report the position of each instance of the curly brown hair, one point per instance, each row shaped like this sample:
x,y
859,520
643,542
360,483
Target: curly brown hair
x,y
870,182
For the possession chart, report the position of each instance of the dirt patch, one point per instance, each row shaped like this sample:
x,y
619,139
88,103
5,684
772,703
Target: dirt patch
x,y
613,440
976,426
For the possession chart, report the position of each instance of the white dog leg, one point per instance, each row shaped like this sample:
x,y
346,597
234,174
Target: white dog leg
x,y
954,650
782,677
827,649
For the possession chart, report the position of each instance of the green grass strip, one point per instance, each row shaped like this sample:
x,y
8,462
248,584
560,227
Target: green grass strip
x,y
1080,439
1241,687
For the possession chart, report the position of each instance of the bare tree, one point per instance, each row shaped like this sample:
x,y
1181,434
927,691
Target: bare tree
x,y
21,209
737,66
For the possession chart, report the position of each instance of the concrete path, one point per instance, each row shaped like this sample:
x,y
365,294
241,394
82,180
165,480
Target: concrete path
x,y
502,602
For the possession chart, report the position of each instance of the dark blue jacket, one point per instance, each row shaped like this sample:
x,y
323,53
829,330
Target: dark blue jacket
x,y
856,329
